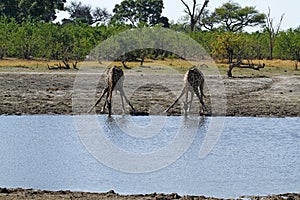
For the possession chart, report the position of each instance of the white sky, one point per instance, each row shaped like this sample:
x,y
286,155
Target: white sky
x,y
174,8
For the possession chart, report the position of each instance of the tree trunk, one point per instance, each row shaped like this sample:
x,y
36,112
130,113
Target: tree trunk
x,y
229,72
143,60
230,55
193,24
66,63
192,12
240,65
124,64
271,46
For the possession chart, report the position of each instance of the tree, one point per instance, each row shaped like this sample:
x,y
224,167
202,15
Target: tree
x,y
257,45
229,45
289,45
33,10
232,17
140,12
272,31
101,15
193,12
7,27
208,21
80,12
9,8
85,14
25,40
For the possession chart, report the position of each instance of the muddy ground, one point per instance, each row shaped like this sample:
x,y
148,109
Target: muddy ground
x,y
22,194
67,93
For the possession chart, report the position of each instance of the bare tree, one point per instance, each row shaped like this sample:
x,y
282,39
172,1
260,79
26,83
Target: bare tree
x,y
273,31
193,12
240,64
101,15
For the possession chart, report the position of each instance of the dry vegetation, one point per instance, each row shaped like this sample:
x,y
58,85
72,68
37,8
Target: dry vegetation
x,y
273,67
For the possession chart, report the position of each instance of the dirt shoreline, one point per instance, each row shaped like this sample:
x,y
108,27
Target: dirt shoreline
x,y
22,194
52,93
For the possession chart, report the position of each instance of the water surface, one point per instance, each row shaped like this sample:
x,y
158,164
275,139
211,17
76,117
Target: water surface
x,y
252,156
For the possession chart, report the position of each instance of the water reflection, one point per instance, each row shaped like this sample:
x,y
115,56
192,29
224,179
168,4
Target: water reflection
x,y
128,133
120,143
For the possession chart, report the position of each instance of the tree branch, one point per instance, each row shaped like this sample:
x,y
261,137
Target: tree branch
x,y
188,11
202,9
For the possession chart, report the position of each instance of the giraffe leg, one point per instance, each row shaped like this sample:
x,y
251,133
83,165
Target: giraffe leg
x,y
185,104
108,100
190,102
201,100
103,93
127,101
122,100
103,108
201,88
182,92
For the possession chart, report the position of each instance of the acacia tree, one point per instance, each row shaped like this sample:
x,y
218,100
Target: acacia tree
x,y
272,31
194,12
101,15
232,17
208,21
140,12
82,13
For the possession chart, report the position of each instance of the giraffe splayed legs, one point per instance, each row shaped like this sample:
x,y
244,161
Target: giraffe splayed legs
x,y
114,81
193,83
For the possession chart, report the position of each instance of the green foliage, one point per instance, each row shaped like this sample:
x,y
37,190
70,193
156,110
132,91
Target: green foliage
x,y
256,45
232,17
239,46
25,41
152,42
80,12
289,45
31,10
71,42
138,12
7,27
206,39
25,32
9,8
227,45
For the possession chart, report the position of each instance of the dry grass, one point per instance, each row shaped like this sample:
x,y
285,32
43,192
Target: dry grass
x,y
273,67
13,62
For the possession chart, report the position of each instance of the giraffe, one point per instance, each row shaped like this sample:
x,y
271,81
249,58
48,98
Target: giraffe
x,y
193,82
114,81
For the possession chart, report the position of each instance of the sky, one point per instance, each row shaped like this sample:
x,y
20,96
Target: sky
x,y
174,8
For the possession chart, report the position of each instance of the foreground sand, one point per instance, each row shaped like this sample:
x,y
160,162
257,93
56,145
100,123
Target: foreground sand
x,y
22,194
